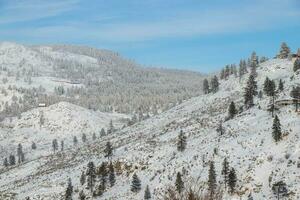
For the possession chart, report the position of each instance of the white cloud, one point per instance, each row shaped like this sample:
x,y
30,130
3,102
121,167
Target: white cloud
x,y
254,15
26,10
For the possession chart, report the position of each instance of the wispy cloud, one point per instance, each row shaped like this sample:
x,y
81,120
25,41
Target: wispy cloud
x,y
254,15
26,10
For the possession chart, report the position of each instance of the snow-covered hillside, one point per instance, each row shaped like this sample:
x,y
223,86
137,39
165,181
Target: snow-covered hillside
x,y
98,79
148,148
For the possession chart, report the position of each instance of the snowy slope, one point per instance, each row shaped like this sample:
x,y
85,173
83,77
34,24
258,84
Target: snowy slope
x,y
150,147
62,121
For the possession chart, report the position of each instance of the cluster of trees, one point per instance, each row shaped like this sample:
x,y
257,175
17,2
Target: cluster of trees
x,y
229,180
11,160
284,51
296,65
213,86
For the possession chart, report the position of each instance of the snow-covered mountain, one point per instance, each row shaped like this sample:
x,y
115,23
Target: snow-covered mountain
x,y
149,147
98,79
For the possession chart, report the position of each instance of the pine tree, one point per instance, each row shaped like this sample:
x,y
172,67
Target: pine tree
x,y
280,86
83,137
214,84
227,72
296,65
253,64
221,129
295,93
181,144
102,132
112,176
111,128
94,136
54,145
179,184
20,154
12,160
82,178
69,190
33,146
225,172
5,162
212,179
108,151
277,135
232,110
91,176
205,86
75,141
232,180
267,86
62,145
103,173
250,91
135,184
284,51
222,74
82,195
147,194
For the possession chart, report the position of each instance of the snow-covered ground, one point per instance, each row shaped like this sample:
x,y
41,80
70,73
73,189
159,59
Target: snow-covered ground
x,y
149,147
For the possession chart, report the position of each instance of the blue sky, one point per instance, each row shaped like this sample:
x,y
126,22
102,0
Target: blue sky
x,y
201,35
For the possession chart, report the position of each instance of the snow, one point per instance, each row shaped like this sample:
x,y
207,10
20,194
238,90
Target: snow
x,y
150,145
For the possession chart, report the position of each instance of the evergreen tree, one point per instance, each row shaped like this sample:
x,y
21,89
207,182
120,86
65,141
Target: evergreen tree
x,y
260,95
62,145
280,86
267,86
75,141
250,91
94,136
181,144
82,196
102,132
214,84
111,128
295,93
225,172
5,162
103,173
277,135
20,153
232,110
232,180
84,137
147,194
108,151
212,179
253,64
33,146
135,184
54,145
221,129
91,176
205,86
222,74
69,190
112,176
284,51
270,90
179,184
227,72
296,65
12,160
82,178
